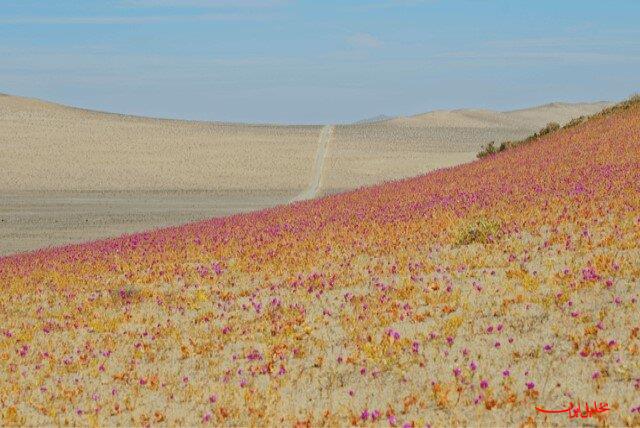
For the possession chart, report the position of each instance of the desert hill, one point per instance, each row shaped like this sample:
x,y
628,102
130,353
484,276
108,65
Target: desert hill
x,y
466,296
71,174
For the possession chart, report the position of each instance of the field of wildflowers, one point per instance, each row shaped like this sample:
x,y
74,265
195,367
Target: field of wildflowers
x,y
469,295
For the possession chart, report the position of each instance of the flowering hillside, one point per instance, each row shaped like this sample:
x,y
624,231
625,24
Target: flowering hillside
x,y
469,295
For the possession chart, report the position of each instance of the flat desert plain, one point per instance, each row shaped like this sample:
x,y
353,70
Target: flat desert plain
x,y
72,175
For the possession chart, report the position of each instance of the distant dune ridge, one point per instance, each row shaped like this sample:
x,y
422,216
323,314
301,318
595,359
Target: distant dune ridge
x,y
113,173
530,118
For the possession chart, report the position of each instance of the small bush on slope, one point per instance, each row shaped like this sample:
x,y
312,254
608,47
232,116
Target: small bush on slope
x,y
481,230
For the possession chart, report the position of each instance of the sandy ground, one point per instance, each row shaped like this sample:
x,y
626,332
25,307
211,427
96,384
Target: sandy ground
x,y
71,175
37,219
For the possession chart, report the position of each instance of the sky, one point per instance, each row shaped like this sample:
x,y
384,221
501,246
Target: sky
x,y
322,61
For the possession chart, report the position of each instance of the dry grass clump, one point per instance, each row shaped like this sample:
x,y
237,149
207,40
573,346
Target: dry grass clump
x,y
481,230
490,149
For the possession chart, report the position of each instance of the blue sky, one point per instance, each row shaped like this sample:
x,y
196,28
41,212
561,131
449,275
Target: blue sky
x,y
324,61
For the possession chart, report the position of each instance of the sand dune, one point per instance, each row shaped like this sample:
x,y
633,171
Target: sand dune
x,y
530,119
112,173
52,147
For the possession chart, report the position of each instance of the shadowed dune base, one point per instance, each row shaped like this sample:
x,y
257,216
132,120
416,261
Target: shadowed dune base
x,y
464,297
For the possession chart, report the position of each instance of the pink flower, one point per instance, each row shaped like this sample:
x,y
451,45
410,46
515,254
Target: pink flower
x,y
589,274
484,384
392,420
473,366
530,385
506,373
364,415
457,371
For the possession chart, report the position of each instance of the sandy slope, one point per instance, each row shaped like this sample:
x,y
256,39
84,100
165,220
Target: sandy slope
x,y
91,159
47,146
363,154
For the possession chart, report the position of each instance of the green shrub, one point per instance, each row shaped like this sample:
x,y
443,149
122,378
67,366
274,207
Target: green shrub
x,y
551,127
575,122
481,230
487,149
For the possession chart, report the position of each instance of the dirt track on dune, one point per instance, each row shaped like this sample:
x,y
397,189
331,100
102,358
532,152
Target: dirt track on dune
x,y
312,191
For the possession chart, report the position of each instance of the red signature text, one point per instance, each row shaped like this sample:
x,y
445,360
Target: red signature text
x,y
576,412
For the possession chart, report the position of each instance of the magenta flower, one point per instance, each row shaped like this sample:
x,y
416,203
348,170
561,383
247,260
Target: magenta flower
x,y
530,385
364,415
484,384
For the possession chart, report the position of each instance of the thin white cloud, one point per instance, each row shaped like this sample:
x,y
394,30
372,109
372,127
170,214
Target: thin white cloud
x,y
236,4
538,56
364,40
112,20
